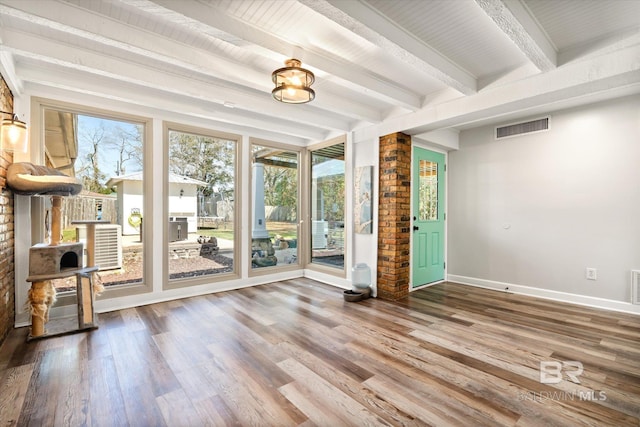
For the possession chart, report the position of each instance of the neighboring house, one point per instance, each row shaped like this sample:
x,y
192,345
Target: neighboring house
x,y
183,200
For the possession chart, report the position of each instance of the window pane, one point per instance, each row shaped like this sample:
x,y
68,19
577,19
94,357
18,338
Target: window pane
x,y
106,155
327,206
201,204
428,191
274,234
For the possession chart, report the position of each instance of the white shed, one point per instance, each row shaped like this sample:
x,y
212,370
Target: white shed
x,y
183,200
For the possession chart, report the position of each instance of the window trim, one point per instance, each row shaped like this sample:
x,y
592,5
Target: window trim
x,y
309,264
37,150
300,212
167,283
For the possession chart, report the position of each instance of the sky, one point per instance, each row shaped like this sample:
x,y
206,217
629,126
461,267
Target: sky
x,y
107,156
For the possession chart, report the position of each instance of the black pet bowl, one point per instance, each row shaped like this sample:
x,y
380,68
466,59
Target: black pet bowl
x,y
352,296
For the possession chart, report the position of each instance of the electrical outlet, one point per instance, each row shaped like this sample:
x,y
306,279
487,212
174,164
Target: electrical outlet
x,y
591,274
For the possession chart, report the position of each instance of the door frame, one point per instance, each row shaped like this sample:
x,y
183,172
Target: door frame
x,y
429,147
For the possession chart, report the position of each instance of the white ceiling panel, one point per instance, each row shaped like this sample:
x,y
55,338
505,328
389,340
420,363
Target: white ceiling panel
x,y
458,29
571,23
380,65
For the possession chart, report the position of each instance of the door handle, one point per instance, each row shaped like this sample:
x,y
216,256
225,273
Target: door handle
x,y
416,228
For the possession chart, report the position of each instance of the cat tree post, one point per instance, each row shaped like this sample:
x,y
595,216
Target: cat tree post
x,y
39,307
85,286
56,219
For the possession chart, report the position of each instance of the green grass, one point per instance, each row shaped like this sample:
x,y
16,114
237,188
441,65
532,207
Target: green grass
x,y
221,234
287,230
69,235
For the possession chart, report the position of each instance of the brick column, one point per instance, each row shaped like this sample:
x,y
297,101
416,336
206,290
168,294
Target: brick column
x,y
394,216
7,286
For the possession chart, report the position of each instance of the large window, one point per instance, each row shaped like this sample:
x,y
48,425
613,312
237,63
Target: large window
x,y
275,204
327,206
201,203
106,154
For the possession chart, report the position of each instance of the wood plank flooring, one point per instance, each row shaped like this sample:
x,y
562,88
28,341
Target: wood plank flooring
x,y
294,353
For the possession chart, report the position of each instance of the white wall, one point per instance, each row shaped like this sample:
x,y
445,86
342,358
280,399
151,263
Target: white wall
x,y
366,153
132,200
535,211
184,205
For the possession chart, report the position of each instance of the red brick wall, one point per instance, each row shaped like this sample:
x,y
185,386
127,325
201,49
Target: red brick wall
x,y
394,214
7,272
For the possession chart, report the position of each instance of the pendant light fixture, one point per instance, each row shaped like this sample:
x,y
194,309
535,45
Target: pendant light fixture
x,y
13,134
293,83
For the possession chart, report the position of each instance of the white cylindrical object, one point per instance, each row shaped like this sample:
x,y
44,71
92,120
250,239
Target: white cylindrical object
x,y
361,276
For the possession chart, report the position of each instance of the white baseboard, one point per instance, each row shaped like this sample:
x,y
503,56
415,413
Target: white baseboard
x,y
585,300
328,279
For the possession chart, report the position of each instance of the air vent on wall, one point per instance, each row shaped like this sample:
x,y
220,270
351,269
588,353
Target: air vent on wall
x,y
635,286
538,125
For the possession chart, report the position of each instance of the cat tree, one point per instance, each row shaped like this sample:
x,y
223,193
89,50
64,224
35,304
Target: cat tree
x,y
56,260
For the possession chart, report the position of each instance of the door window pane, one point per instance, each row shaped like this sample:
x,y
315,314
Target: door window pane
x,y
106,155
274,233
428,203
201,192
327,206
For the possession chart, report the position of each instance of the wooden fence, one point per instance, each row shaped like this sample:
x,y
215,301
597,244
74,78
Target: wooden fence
x,y
91,207
87,208
279,213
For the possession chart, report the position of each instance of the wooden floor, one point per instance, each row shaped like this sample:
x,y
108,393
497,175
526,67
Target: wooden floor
x,y
294,353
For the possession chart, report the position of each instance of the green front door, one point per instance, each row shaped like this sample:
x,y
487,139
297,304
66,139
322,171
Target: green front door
x,y
428,217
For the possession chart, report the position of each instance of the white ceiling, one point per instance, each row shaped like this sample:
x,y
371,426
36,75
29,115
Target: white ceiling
x,y
381,65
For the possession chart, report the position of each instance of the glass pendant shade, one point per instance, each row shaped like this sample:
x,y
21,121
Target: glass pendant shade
x,y
13,135
293,84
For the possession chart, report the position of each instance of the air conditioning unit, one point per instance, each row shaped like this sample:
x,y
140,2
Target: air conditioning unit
x,y
108,254
319,231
